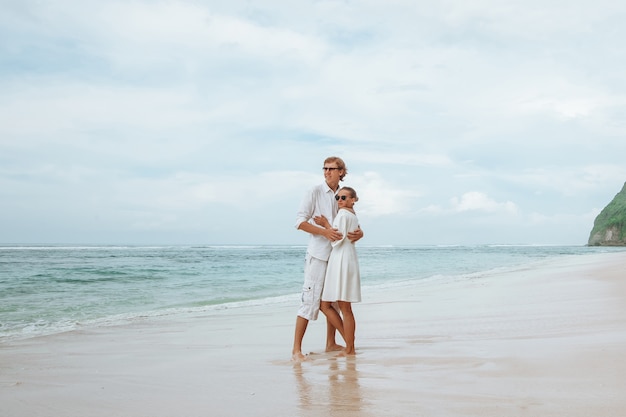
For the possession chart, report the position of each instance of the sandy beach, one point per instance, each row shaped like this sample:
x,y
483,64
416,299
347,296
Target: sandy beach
x,y
548,340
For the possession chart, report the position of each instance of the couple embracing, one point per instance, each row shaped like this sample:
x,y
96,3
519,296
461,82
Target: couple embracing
x,y
331,271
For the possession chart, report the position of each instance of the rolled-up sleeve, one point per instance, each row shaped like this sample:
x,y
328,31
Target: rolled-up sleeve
x,y
307,207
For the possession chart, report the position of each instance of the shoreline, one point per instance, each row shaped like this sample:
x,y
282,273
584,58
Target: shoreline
x,y
50,322
545,340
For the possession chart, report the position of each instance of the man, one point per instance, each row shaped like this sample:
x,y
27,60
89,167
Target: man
x,y
318,207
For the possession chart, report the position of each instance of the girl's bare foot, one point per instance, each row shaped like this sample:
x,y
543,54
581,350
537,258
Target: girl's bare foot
x,y
298,357
334,348
345,353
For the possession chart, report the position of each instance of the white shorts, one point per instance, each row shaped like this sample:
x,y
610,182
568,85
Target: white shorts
x,y
314,274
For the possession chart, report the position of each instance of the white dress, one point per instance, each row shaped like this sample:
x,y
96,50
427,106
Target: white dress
x,y
343,280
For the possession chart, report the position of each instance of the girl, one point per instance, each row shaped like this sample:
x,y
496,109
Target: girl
x,y
343,282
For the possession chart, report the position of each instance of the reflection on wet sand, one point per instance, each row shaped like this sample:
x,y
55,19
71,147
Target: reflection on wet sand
x,y
307,401
332,390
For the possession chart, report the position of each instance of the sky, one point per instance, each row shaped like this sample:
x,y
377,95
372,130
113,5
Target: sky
x,y
205,122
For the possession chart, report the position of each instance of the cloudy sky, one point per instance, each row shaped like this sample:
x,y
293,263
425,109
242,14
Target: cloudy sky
x,y
204,122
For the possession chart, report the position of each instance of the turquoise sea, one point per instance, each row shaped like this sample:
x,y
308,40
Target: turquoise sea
x,y
51,289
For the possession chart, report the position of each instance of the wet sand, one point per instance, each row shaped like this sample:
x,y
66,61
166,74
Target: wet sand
x,y
548,340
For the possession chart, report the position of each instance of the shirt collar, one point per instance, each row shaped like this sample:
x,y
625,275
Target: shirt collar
x,y
330,189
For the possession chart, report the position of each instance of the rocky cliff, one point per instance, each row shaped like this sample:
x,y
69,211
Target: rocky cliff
x,y
609,228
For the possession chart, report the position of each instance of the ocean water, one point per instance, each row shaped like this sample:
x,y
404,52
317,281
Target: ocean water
x,y
51,289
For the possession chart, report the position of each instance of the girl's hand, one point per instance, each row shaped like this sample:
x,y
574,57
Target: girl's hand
x,y
322,221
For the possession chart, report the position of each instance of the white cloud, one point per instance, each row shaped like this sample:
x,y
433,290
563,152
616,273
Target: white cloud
x,y
568,180
380,197
477,201
195,34
62,107
409,157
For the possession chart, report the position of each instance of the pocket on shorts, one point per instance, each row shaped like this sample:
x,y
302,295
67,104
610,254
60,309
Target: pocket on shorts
x,y
308,293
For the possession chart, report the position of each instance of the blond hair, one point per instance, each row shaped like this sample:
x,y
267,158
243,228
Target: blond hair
x,y
340,164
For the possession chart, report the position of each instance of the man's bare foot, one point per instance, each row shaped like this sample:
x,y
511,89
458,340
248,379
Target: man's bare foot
x,y
298,357
334,348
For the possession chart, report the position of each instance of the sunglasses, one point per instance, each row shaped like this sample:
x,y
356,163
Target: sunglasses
x,y
330,168
342,197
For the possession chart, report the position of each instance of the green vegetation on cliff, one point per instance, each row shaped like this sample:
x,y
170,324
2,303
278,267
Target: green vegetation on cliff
x,y
609,227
